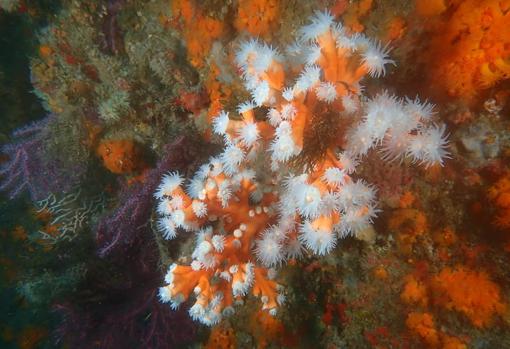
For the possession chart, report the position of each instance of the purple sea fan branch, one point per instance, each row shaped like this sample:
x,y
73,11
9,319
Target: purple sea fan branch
x,y
138,321
24,169
118,306
136,201
30,166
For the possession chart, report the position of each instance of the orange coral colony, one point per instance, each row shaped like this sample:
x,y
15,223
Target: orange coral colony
x,y
415,292
423,325
470,46
257,17
408,224
469,292
499,196
199,30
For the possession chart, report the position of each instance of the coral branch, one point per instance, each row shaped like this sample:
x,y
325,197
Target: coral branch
x,y
279,188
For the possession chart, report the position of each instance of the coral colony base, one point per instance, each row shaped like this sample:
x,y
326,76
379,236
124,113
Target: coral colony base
x,y
254,206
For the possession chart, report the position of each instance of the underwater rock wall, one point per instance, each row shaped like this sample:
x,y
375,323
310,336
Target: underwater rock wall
x,y
287,174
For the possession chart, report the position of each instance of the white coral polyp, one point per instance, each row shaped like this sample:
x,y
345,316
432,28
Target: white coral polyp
x,y
308,200
231,158
326,92
335,176
320,23
319,241
376,57
167,228
429,146
199,208
168,184
283,146
249,134
220,123
269,250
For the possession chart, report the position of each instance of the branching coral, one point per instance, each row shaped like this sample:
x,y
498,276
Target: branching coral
x,y
278,187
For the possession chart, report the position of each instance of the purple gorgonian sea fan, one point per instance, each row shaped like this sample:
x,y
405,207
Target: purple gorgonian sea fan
x,y
117,305
121,226
28,168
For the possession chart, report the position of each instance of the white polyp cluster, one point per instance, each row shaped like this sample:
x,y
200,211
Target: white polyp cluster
x,y
320,23
283,146
249,212
209,315
168,184
243,277
429,145
206,249
320,241
332,207
167,294
402,127
249,134
254,59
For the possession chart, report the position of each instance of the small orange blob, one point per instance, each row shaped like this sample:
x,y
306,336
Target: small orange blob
x,y
221,337
8,269
45,51
266,329
407,199
19,233
355,13
422,324
199,30
339,7
408,224
7,334
120,156
381,273
499,197
450,342
469,46
414,292
445,237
